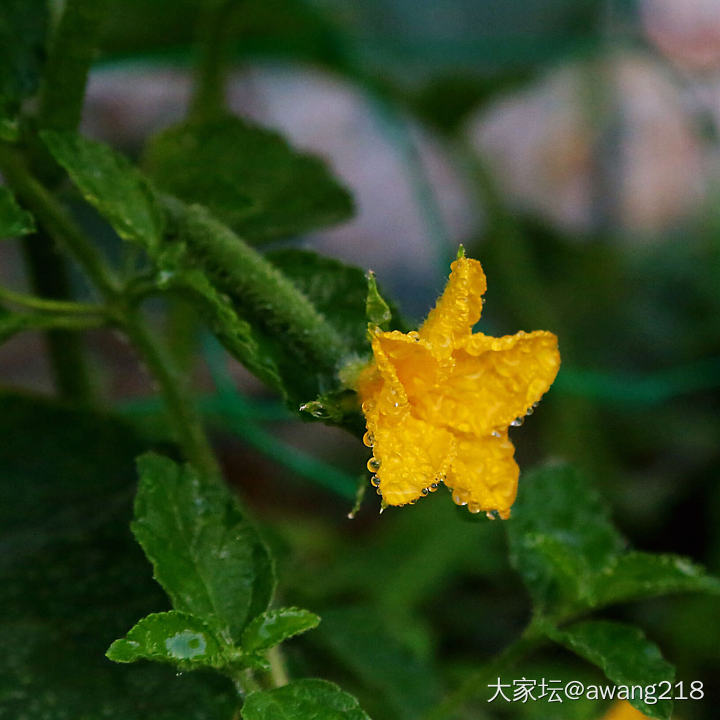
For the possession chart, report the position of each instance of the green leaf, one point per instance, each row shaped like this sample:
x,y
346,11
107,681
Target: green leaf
x,y
74,579
23,26
14,221
111,184
303,700
206,555
377,310
572,558
248,176
560,537
396,678
624,654
274,626
638,574
171,637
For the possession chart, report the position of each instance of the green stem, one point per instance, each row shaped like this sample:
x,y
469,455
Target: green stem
x,y
181,411
71,51
53,306
479,681
213,57
60,226
278,672
55,220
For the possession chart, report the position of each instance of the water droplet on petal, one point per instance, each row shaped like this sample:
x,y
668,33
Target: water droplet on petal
x,y
425,491
373,464
496,433
490,515
517,422
368,439
375,481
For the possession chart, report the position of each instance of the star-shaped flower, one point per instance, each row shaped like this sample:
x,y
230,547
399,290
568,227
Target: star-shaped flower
x,y
438,402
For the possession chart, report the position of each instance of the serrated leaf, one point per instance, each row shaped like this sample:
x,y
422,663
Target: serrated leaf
x,y
73,577
225,163
23,25
624,654
377,311
274,626
207,557
14,221
560,537
171,637
572,558
302,700
638,574
111,184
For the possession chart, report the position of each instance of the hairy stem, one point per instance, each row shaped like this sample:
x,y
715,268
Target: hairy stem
x,y
245,274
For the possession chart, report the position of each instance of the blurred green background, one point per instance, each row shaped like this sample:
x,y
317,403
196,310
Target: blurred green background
x,y
572,146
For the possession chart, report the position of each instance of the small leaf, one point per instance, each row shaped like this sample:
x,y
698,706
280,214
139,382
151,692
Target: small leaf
x,y
14,221
560,537
638,574
171,637
248,176
302,700
624,654
206,555
23,26
377,310
275,626
111,184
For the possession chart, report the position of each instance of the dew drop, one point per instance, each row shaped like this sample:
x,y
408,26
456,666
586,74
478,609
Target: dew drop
x,y
425,491
378,491
517,422
530,411
368,439
496,433
474,508
375,481
490,515
373,464
458,499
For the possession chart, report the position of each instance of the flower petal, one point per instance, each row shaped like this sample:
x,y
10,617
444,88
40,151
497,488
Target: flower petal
x,y
411,452
494,381
484,474
410,360
458,308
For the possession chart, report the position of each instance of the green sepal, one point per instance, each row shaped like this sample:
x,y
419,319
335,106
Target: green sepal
x,y
377,311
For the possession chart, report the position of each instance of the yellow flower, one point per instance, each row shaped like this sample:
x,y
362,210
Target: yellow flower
x,y
624,711
438,402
